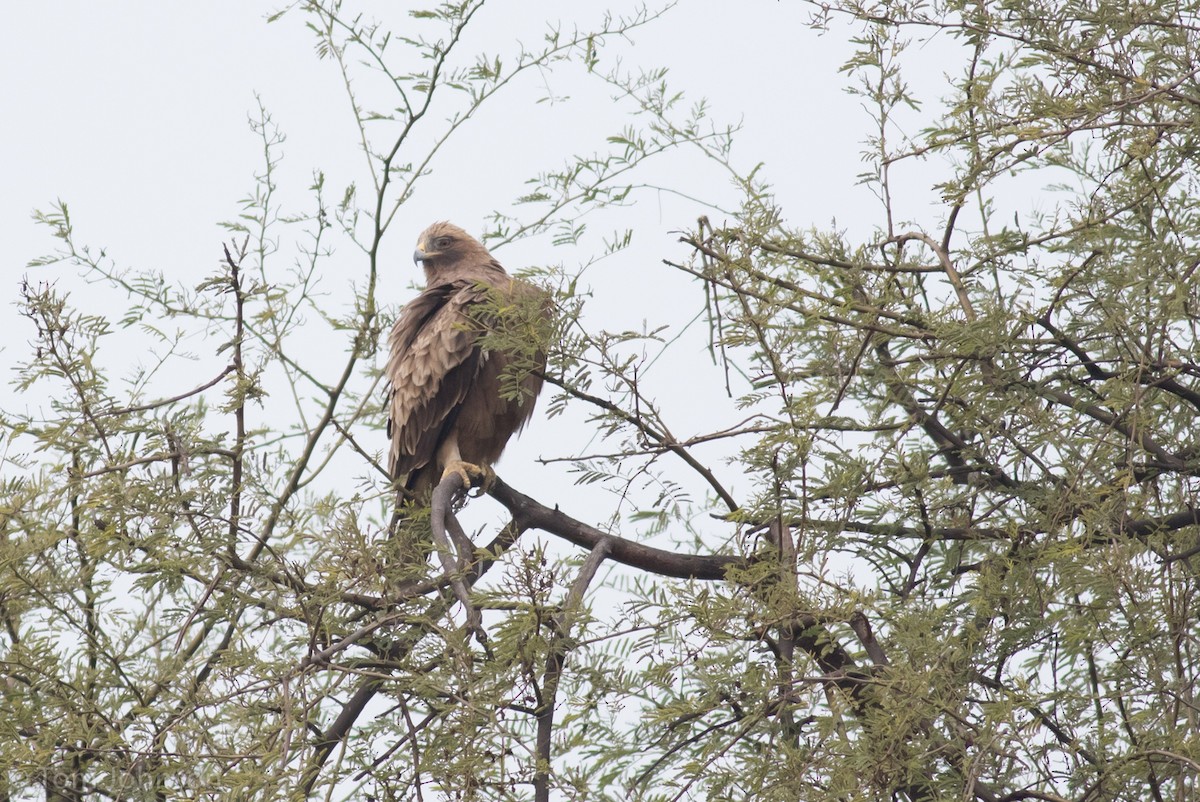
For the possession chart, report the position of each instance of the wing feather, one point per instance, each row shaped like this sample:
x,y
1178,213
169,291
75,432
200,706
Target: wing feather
x,y
433,362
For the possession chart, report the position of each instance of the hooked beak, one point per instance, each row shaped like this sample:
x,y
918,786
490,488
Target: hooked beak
x,y
419,256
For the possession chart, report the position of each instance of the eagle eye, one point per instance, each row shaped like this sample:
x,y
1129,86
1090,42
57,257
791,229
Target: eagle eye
x,y
442,243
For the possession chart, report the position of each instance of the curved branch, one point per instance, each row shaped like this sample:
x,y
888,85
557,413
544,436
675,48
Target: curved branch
x,y
943,255
535,515
442,517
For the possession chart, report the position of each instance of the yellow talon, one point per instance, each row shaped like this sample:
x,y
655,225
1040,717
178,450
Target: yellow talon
x,y
466,470
481,476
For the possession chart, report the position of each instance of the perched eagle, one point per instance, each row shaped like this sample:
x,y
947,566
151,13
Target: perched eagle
x,y
450,408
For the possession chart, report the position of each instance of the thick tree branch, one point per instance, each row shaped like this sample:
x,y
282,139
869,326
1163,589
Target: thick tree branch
x,y
534,515
1167,383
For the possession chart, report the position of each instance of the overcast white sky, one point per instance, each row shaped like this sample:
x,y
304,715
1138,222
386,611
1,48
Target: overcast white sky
x,y
135,114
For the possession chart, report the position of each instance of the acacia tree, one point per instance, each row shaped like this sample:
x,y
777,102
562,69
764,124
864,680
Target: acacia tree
x,y
949,554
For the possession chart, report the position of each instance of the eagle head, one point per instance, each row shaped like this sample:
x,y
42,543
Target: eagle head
x,y
444,246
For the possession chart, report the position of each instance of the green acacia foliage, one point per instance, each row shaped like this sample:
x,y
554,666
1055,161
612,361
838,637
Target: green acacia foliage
x,y
937,542
993,413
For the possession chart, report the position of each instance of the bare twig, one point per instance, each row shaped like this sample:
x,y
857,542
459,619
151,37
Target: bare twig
x,y
162,402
